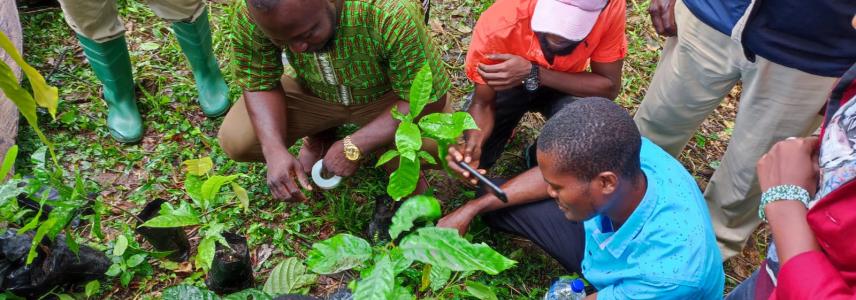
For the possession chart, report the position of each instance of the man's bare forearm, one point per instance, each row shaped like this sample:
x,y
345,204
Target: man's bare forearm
x,y
267,110
525,188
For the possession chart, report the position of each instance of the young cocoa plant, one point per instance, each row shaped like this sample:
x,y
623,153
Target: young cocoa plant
x,y
440,251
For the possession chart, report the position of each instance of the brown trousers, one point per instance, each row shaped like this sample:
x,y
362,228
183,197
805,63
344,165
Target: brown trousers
x,y
306,115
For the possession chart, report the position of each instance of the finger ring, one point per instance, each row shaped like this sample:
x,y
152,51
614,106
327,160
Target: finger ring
x,y
320,181
791,138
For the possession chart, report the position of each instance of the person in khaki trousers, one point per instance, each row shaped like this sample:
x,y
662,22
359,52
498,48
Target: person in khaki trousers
x,y
787,54
102,36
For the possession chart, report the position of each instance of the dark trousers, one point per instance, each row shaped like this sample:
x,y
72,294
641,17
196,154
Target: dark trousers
x,y
511,105
541,222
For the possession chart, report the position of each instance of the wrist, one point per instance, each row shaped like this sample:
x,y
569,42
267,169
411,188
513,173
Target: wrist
x,y
275,151
482,204
779,193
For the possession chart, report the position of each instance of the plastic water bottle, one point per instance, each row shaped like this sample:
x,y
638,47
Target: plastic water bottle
x,y
579,289
566,289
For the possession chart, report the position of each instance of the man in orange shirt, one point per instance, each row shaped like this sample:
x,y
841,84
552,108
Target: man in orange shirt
x,y
533,55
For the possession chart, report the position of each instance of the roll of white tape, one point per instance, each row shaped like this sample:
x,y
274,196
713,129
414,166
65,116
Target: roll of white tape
x,y
320,181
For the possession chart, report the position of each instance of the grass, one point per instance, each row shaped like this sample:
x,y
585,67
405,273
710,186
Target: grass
x,y
176,130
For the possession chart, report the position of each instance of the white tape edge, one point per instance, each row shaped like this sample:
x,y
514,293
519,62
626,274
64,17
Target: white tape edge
x,y
324,183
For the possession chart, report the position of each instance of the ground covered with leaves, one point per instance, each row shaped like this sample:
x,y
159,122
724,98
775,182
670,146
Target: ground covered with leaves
x,y
176,130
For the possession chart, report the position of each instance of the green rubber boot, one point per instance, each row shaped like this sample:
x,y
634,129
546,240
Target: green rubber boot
x,y
195,40
112,66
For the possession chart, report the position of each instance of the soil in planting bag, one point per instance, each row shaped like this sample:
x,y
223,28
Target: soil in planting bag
x,y
172,240
56,265
231,270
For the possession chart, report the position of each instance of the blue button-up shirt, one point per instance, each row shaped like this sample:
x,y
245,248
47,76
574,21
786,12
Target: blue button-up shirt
x,y
666,249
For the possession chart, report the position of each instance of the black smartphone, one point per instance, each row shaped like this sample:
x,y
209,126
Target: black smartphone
x,y
496,190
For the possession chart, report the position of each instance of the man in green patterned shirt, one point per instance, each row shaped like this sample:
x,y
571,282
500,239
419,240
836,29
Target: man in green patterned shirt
x,y
354,61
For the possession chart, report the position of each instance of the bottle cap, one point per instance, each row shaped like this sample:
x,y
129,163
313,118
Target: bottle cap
x,y
577,285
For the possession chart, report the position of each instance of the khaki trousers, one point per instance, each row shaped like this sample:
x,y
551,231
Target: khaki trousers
x,y
98,20
306,115
697,69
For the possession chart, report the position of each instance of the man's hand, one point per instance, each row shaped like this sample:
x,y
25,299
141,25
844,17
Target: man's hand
x,y
663,17
792,161
469,152
459,219
282,169
509,73
336,162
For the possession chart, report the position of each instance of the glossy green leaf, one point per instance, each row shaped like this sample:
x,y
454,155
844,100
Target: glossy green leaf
x,y
445,126
396,114
64,297
248,294
480,291
212,186
198,167
193,187
170,217
114,270
120,245
126,277
71,241
136,260
92,288
243,197
386,157
413,209
379,284
34,222
400,263
187,292
40,234
427,157
8,162
205,253
401,293
420,90
408,140
45,95
403,181
339,253
445,248
439,276
289,277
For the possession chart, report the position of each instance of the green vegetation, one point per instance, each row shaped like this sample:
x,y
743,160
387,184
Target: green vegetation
x,y
280,235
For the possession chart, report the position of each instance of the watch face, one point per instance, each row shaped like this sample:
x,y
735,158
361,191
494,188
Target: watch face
x,y
352,154
531,84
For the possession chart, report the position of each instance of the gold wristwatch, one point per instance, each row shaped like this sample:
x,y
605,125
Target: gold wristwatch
x,y
352,153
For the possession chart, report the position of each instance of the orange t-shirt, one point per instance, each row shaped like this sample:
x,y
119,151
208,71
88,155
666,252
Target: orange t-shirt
x,y
506,27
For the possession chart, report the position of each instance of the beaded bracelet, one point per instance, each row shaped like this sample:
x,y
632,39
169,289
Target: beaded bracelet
x,y
782,192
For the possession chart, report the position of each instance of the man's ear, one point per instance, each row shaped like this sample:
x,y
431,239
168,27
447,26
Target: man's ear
x,y
606,182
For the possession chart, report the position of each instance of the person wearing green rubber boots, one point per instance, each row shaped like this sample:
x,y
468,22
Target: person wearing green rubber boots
x,y
102,36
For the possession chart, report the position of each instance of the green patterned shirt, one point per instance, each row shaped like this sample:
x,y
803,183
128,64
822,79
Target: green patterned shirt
x,y
379,47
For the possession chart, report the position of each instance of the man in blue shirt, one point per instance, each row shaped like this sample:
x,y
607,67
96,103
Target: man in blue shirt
x,y
647,232
787,54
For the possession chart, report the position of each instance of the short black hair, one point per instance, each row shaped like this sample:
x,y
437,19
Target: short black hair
x,y
263,5
590,136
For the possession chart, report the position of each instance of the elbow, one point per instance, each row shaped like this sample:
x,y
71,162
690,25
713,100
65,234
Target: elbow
x,y
612,89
